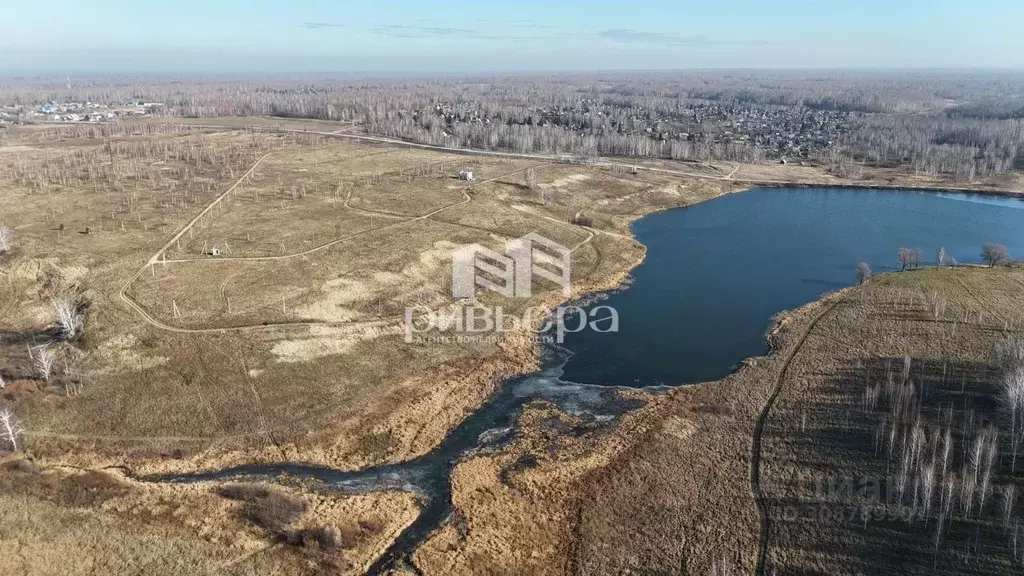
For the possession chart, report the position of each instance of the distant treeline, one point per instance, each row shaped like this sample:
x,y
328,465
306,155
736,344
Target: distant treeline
x,y
965,125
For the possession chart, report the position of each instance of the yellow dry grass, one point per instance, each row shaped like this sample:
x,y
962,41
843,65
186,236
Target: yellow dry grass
x,y
668,489
287,347
61,521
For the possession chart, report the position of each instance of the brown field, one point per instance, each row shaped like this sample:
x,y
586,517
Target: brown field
x,y
88,522
288,347
829,467
668,489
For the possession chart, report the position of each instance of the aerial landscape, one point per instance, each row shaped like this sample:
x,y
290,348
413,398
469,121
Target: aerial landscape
x,y
430,288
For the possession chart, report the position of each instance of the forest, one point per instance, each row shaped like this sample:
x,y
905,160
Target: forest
x,y
964,125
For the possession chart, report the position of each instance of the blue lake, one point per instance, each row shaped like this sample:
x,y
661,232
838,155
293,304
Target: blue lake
x,y
716,272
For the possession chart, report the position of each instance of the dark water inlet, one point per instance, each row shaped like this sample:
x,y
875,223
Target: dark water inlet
x,y
428,476
714,275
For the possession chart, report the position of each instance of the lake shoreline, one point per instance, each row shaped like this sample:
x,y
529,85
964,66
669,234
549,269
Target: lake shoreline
x,y
891,187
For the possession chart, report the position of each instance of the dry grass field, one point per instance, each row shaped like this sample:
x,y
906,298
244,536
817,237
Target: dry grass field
x,y
262,352
288,346
894,378
66,521
668,488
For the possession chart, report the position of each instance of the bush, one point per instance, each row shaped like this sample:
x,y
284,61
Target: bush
x,y
581,219
326,537
21,466
264,507
274,511
242,492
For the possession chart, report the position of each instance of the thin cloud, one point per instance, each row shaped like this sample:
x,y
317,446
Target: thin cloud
x,y
516,24
422,31
402,31
628,35
321,25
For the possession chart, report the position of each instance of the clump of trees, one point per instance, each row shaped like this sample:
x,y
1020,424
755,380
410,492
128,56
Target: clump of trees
x,y
909,258
945,469
863,272
275,511
69,317
995,254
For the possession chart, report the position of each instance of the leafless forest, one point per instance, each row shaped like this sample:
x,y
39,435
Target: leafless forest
x,y
965,125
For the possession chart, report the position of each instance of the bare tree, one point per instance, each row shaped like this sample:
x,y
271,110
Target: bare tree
x,y
531,178
942,257
906,256
69,317
928,484
45,361
946,495
863,272
722,567
6,239
1009,502
10,428
994,254
1010,354
1012,397
987,466
947,451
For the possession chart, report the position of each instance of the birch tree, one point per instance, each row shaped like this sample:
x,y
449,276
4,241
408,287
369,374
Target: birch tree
x,y
10,428
69,317
906,257
1012,397
863,272
531,178
6,239
1009,502
45,360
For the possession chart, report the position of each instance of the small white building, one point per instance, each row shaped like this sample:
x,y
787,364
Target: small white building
x,y
215,251
466,175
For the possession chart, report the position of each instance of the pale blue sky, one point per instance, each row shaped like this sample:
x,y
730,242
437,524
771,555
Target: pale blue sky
x,y
525,35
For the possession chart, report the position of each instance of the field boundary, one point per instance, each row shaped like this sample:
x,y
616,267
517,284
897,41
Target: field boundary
x,y
755,448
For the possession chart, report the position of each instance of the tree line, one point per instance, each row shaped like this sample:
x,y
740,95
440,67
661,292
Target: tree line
x,y
962,125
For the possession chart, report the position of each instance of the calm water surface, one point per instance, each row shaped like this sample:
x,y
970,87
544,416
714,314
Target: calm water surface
x,y
717,272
